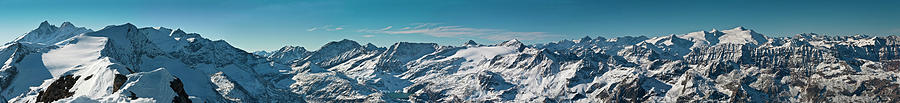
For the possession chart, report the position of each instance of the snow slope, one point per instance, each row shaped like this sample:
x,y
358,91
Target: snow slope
x,y
736,65
124,63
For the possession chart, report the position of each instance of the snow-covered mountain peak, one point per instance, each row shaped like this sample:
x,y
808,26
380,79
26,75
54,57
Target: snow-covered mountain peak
x,y
400,53
737,35
120,26
112,65
741,35
370,46
162,28
49,34
411,44
470,43
66,24
178,31
116,30
287,54
669,40
806,35
343,44
179,34
585,39
513,42
292,48
45,26
123,63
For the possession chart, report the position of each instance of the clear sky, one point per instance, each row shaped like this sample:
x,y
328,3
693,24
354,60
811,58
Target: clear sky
x,y
270,24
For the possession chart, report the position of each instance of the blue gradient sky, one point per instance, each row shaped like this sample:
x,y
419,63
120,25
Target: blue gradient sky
x,y
270,24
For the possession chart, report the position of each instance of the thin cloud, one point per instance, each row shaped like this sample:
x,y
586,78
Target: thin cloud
x,y
437,30
326,28
387,28
368,36
336,29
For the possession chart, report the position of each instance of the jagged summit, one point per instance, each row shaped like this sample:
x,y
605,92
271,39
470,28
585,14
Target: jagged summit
x,y
370,46
586,38
45,27
123,63
513,42
741,35
806,35
120,34
287,54
45,24
737,35
342,44
47,34
291,48
178,31
470,43
66,24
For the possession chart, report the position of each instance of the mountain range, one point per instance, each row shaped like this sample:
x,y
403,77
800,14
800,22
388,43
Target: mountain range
x,y
124,63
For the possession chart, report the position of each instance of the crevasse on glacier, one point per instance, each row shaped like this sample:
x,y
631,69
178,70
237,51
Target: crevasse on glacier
x,y
123,63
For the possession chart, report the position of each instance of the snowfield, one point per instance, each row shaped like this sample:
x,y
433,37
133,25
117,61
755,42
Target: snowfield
x,y
481,53
124,63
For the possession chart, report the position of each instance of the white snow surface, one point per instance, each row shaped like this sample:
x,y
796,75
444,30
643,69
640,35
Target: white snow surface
x,y
84,50
482,53
736,65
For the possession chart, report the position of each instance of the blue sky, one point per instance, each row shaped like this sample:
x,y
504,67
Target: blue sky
x,y
270,24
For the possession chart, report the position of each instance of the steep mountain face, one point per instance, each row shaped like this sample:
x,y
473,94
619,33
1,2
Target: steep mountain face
x,y
736,65
286,54
123,63
48,34
126,63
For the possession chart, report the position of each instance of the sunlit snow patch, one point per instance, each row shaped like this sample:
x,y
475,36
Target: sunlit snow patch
x,y
86,49
481,53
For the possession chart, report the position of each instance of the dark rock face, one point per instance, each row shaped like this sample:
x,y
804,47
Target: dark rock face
x,y
884,90
58,89
675,68
178,87
119,81
88,77
132,96
630,91
8,74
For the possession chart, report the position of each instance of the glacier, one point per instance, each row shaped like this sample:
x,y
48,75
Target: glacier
x,y
124,63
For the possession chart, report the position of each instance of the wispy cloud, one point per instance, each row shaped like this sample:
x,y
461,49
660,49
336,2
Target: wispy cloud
x,y
336,29
368,36
387,28
326,28
438,30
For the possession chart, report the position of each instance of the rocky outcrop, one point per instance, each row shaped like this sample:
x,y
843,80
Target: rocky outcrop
x,y
736,65
178,87
58,89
